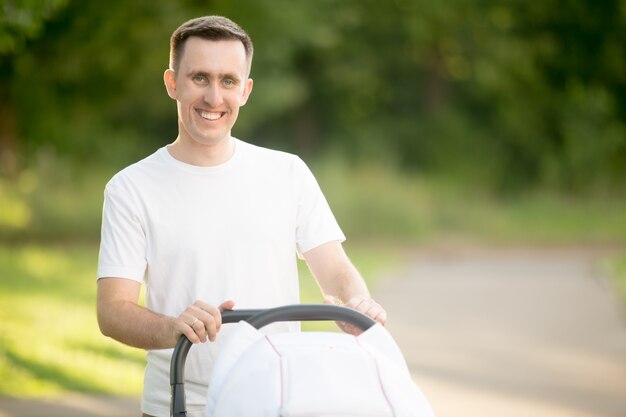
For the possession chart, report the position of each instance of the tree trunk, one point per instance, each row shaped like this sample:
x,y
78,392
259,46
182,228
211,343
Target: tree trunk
x,y
8,136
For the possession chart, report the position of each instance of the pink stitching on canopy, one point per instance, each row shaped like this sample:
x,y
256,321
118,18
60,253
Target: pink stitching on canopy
x,y
282,382
380,380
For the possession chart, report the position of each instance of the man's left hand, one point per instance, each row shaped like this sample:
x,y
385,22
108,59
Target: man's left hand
x,y
362,304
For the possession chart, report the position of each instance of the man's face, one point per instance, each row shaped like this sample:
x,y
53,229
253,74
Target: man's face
x,y
210,86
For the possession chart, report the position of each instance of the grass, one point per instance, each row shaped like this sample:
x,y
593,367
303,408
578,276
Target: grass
x,y
49,338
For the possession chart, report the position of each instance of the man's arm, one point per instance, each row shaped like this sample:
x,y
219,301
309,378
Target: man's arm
x,y
340,281
123,319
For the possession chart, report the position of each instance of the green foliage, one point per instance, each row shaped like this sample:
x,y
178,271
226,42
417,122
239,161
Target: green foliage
x,y
377,202
59,202
510,95
21,20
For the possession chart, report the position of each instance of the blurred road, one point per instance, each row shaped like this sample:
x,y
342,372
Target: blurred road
x,y
74,405
511,332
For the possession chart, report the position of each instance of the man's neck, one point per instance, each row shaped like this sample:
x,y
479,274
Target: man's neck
x,y
202,155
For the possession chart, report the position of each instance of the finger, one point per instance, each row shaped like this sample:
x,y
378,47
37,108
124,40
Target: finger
x,y
197,319
356,301
381,317
369,307
211,316
184,327
211,322
199,328
351,329
376,312
374,309
211,328
348,328
365,305
227,305
361,304
194,319
191,335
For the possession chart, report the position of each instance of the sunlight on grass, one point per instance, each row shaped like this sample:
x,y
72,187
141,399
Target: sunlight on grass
x,y
42,264
49,337
14,212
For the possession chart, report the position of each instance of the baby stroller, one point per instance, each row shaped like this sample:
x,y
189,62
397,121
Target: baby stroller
x,y
304,374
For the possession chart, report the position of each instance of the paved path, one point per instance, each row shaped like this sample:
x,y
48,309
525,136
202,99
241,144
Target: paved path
x,y
511,332
75,405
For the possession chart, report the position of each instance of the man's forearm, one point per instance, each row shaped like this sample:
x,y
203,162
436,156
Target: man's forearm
x,y
135,325
345,284
342,283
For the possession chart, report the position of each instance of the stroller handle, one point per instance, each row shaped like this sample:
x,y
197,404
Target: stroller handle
x,y
258,318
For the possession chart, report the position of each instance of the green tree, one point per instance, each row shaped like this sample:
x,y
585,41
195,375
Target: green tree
x,y
20,21
508,94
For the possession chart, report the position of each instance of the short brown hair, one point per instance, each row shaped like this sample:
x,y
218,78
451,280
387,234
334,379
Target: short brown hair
x,y
214,28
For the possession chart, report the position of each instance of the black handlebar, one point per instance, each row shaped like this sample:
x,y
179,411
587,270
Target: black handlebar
x,y
310,312
258,319
177,365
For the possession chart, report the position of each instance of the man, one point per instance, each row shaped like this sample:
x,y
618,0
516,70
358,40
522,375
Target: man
x,y
210,220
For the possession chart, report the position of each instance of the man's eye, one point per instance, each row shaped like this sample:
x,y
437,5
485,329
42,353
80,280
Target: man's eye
x,y
228,82
200,78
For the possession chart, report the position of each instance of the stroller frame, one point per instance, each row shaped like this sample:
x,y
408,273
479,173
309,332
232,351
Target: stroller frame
x,y
257,318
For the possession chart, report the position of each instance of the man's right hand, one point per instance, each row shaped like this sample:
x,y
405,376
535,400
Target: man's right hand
x,y
122,318
201,321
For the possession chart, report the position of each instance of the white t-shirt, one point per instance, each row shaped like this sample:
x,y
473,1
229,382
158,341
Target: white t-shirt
x,y
211,233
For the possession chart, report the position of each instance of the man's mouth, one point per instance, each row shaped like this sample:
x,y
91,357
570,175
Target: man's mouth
x,y
209,115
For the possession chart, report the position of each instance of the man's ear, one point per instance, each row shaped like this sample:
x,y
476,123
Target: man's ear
x,y
247,89
169,78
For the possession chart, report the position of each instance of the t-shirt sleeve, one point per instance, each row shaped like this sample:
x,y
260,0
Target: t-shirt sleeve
x,y
315,222
123,240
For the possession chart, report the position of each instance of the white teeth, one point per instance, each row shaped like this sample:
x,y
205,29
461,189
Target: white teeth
x,y
210,116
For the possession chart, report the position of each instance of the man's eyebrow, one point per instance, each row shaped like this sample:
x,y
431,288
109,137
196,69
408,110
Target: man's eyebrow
x,y
231,76
193,72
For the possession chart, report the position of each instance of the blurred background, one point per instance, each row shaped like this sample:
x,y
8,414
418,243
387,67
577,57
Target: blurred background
x,y
454,122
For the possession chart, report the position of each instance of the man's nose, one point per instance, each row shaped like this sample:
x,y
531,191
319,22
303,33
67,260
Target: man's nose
x,y
213,95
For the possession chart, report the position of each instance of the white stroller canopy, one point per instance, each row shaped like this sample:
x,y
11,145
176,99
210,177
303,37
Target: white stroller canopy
x,y
313,374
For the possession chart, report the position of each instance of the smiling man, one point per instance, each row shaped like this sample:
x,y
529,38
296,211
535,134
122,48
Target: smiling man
x,y
209,221
210,85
